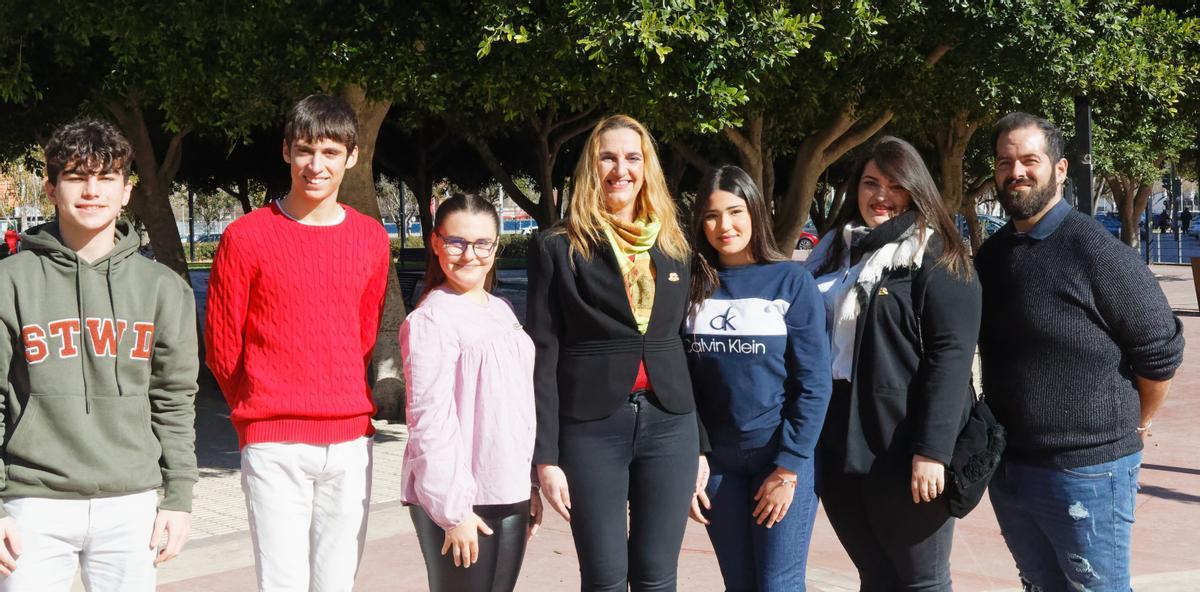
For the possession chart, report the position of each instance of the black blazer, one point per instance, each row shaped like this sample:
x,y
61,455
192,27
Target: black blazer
x,y
910,387
588,344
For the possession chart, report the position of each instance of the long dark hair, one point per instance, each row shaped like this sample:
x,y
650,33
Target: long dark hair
x,y
459,202
900,161
730,179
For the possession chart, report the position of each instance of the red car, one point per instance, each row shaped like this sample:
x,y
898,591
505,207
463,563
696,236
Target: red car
x,y
807,241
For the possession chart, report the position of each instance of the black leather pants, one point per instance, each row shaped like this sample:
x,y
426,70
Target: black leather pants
x,y
500,555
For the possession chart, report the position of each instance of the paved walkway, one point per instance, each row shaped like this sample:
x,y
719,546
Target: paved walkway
x,y
1166,536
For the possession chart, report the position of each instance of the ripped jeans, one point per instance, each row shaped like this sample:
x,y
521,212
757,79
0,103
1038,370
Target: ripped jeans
x,y
1068,529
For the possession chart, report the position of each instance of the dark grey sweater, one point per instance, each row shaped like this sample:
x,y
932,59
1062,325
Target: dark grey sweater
x,y
1070,317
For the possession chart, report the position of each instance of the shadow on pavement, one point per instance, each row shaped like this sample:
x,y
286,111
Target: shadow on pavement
x,y
1168,493
381,437
1170,469
216,441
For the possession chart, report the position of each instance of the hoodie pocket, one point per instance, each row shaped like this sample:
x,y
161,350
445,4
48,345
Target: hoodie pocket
x,y
60,446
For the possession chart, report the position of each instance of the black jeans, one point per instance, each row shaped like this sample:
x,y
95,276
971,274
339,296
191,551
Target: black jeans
x,y
895,544
643,456
500,554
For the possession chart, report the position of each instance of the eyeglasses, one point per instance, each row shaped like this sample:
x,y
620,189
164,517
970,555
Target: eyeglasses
x,y
455,246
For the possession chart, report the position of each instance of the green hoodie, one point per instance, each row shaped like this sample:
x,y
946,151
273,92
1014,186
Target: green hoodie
x,y
99,364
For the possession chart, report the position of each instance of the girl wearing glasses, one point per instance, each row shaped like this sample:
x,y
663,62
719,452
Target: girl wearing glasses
x,y
760,365
469,370
617,436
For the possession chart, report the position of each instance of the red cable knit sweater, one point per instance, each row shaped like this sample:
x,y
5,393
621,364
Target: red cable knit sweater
x,y
293,312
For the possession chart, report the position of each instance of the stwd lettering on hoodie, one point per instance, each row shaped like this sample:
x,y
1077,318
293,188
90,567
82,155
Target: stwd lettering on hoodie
x,y
63,338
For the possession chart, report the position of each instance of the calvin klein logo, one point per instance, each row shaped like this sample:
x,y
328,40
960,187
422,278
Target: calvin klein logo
x,y
723,322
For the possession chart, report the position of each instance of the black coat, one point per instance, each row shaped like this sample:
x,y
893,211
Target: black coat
x,y
910,388
588,344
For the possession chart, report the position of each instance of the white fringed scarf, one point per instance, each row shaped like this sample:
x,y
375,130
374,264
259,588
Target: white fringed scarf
x,y
847,288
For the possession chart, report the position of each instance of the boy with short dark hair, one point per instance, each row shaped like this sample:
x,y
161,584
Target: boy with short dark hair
x,y
99,356
293,309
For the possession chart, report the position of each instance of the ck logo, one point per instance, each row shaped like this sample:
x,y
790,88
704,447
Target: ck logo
x,y
724,322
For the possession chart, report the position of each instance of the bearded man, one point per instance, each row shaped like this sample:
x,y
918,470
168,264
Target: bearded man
x,y
1079,346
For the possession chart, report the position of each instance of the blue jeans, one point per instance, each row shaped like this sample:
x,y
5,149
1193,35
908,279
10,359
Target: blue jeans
x,y
753,557
1068,529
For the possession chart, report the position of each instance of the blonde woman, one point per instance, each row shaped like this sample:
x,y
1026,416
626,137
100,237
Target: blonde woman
x,y
616,422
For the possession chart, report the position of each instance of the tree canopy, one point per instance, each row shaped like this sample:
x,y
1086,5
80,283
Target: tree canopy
x,y
492,91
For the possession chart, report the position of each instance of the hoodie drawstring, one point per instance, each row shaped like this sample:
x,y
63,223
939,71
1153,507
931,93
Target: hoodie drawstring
x,y
87,404
112,304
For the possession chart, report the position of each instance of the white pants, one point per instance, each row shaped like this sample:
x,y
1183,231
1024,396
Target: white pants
x,y
108,536
308,507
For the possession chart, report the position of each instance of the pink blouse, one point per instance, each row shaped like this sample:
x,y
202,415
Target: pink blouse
x,y
469,371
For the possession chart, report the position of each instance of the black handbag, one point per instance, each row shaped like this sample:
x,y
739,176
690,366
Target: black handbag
x,y
977,453
979,445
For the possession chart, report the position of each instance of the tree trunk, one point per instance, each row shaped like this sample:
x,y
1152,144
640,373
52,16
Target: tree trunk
x,y
768,180
1130,196
691,156
358,186
550,134
835,209
358,192
951,140
974,234
241,192
676,167
819,150
418,176
423,191
821,212
970,202
496,168
420,180
151,197
548,201
748,142
243,195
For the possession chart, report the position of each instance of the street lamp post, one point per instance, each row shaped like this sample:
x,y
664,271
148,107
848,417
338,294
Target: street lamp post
x,y
1081,161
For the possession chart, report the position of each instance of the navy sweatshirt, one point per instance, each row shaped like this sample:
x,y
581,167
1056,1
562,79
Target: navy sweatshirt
x,y
759,359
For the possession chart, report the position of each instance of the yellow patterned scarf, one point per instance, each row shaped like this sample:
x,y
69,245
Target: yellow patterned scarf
x,y
631,244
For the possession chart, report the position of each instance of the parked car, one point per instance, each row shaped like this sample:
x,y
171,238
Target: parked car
x,y
988,225
807,240
211,237
808,237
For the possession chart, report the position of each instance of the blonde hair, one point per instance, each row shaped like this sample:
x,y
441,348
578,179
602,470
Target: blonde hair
x,y
585,222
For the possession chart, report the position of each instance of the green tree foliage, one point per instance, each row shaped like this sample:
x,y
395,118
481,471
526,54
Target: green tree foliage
x,y
161,71
1143,82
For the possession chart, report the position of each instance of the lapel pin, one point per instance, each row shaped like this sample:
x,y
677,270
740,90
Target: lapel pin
x,y
673,277
883,292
